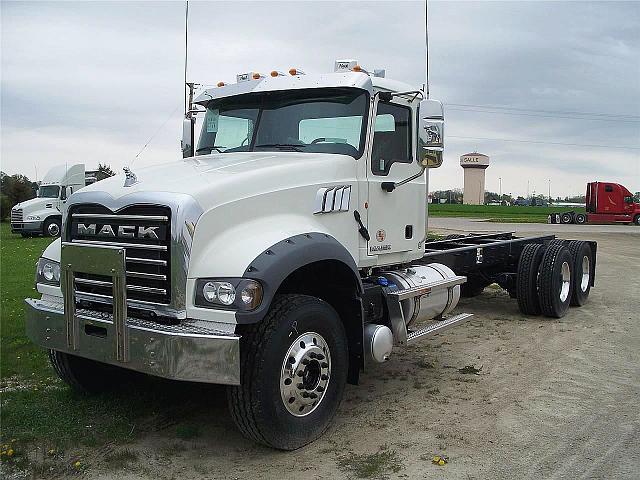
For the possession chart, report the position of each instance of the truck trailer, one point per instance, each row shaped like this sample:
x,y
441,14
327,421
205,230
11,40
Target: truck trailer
x,y
42,215
605,202
284,254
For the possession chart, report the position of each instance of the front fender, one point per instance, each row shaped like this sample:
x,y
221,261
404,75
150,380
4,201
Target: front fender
x,y
43,213
276,263
243,251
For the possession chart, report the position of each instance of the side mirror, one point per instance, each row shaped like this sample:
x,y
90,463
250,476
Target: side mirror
x,y
187,137
430,133
628,199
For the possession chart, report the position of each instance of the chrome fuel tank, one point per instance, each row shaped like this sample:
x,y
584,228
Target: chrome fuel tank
x,y
435,304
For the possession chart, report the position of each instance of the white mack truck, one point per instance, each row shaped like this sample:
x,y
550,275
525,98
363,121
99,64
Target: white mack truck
x,y
282,255
43,215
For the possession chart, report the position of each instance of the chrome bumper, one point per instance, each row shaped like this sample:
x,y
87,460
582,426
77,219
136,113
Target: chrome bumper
x,y
189,351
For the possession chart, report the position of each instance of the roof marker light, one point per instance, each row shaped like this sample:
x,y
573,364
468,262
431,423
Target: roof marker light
x,y
276,73
256,76
221,84
295,71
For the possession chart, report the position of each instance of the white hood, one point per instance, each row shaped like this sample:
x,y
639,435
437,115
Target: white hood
x,y
219,177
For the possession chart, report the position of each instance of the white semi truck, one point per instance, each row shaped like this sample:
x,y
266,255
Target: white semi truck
x,y
42,215
282,255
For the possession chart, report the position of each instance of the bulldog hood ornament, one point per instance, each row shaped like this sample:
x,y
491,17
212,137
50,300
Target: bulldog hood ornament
x,y
130,177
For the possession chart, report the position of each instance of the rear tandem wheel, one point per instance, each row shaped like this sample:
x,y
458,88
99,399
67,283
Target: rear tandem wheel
x,y
555,280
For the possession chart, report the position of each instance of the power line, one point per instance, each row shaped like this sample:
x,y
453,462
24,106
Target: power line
x,y
495,107
544,116
544,143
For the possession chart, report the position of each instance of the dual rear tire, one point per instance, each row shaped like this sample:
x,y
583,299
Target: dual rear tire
x,y
553,277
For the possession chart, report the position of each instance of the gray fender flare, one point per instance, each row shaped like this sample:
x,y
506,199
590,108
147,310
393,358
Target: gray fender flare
x,y
277,262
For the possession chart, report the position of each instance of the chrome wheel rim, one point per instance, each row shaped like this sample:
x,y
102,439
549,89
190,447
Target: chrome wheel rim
x,y
586,272
566,281
305,374
53,229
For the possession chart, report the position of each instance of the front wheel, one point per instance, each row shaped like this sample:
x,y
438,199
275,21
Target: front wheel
x,y
83,375
636,220
52,227
293,372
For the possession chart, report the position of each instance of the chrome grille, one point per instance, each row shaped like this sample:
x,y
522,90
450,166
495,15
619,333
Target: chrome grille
x,y
16,215
147,258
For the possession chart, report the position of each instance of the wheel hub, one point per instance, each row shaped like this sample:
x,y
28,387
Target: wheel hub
x,y
584,283
53,229
566,281
305,375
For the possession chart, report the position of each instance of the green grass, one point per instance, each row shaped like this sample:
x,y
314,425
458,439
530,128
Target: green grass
x,y
375,465
40,411
18,257
498,213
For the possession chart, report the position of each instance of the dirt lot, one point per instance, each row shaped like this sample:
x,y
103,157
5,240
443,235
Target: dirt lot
x,y
554,399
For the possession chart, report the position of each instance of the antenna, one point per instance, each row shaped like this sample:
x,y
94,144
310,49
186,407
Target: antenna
x,y
426,42
186,52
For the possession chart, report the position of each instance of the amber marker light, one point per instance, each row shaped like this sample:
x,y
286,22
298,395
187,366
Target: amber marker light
x,y
357,68
256,76
221,84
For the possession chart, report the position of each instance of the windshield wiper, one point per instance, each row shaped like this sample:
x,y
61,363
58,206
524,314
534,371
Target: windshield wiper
x,y
215,147
281,146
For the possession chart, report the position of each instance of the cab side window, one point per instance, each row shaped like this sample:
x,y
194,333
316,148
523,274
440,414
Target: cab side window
x,y
391,138
608,188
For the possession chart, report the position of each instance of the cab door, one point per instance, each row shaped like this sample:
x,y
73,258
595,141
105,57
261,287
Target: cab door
x,y
396,219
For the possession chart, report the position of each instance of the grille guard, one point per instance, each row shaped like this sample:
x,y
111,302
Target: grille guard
x,y
185,213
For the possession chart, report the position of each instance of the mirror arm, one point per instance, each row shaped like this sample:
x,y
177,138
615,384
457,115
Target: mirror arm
x,y
391,186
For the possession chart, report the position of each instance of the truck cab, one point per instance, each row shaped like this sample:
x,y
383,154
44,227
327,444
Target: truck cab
x,y
42,215
608,202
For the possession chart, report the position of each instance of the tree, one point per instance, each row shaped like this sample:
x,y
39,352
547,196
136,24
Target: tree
x,y
5,207
104,171
17,188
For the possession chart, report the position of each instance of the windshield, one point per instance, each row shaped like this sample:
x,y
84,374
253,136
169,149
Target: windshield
x,y
314,121
49,191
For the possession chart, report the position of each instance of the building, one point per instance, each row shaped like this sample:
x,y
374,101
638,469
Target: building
x,y
474,165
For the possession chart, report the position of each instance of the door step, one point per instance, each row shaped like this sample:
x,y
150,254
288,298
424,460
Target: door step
x,y
437,327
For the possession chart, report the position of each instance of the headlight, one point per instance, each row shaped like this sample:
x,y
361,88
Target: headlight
x,y
33,217
48,272
240,293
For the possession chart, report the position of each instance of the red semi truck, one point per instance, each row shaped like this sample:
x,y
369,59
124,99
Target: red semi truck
x,y
605,202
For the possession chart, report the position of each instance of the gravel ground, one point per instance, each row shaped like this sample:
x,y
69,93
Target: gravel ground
x,y
553,399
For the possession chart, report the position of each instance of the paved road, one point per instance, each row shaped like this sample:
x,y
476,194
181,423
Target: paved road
x,y
480,225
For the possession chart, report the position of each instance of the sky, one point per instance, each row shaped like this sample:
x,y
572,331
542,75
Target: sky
x,y
546,89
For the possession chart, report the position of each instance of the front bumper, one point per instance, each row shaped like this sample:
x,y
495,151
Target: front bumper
x,y
190,351
26,227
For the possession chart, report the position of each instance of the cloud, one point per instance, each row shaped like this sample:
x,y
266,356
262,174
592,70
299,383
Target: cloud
x,y
91,81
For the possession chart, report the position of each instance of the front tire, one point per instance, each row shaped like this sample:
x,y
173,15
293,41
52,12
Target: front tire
x,y
52,227
81,374
636,220
293,371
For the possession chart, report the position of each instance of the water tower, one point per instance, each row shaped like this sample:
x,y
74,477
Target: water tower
x,y
474,165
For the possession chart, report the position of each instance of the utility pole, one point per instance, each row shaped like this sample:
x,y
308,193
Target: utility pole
x,y
500,182
549,190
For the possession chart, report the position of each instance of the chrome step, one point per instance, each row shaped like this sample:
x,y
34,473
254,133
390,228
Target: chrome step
x,y
438,326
